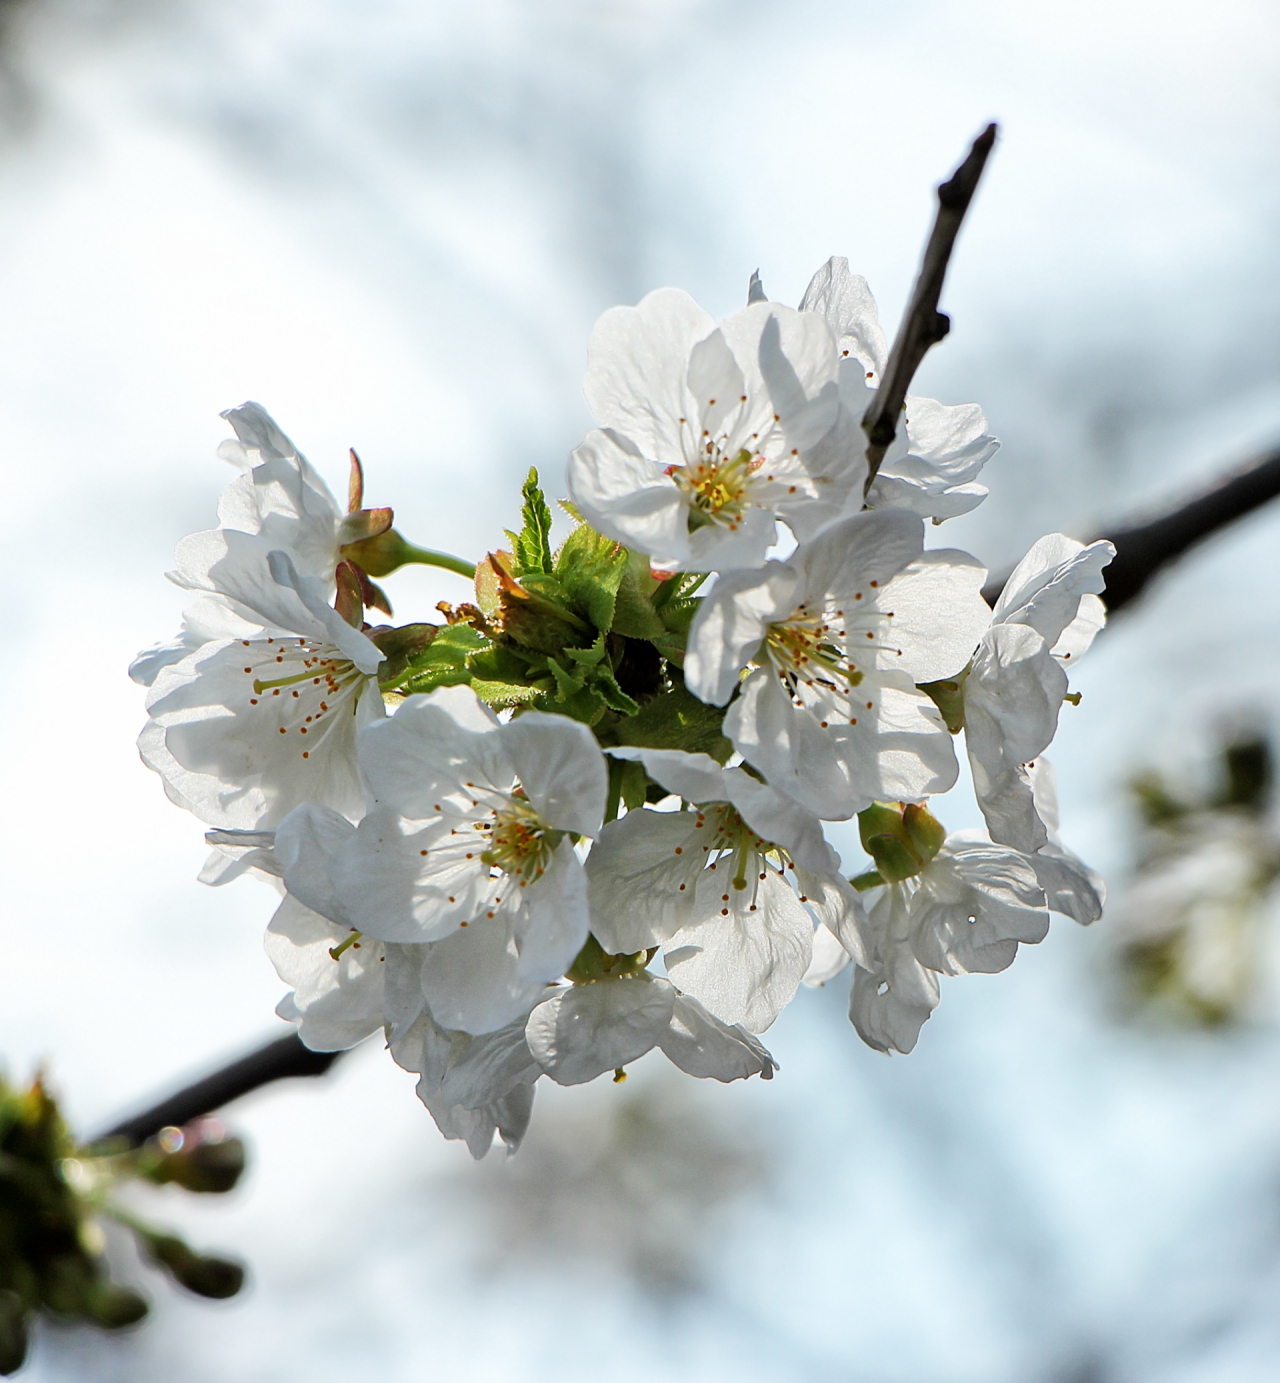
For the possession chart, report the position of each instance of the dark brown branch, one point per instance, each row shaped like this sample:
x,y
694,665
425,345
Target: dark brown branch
x,y
923,325
1145,549
278,1060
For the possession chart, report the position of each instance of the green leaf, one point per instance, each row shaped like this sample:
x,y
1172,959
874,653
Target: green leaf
x,y
948,697
634,613
400,646
531,547
590,568
676,719
443,663
502,694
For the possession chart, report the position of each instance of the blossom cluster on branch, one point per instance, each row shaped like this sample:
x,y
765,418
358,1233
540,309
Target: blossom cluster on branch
x,y
583,816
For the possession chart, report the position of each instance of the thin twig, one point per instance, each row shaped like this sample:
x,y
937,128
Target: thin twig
x,y
1145,549
279,1059
923,325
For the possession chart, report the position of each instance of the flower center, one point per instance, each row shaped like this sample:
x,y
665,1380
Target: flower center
x,y
735,847
716,486
301,685
520,842
816,653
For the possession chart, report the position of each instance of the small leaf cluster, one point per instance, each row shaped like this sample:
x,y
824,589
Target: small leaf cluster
x,y
53,1194
585,630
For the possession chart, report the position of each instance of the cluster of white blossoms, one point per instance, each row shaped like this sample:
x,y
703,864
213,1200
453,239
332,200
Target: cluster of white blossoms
x,y
582,818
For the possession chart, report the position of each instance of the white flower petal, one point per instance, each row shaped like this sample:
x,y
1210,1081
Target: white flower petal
x,y
857,554
1044,589
337,1003
974,905
561,769
701,1045
628,497
581,1032
551,925
899,750
305,843
730,626
637,364
835,903
746,951
772,815
888,1008
240,759
472,979
635,872
396,882
1072,888
938,614
845,302
829,959
421,757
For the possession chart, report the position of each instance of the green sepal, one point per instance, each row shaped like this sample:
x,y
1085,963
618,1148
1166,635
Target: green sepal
x,y
590,568
531,547
925,832
948,697
593,962
443,662
871,879
877,819
894,860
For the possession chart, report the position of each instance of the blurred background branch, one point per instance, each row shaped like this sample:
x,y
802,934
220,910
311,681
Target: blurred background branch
x,y
1144,550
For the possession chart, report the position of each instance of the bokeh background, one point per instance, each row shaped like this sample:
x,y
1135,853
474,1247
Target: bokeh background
x,y
394,223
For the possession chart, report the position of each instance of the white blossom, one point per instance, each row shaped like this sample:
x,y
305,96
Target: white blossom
x,y
1046,617
722,886
468,849
711,432
834,641
475,1087
280,499
584,1030
964,913
242,730
932,466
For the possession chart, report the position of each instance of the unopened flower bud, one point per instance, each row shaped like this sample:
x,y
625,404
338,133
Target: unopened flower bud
x,y
13,1332
203,1274
209,1167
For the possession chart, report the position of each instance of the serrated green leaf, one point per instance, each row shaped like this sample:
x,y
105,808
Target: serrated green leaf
x,y
590,568
531,547
400,646
675,720
501,694
443,663
634,615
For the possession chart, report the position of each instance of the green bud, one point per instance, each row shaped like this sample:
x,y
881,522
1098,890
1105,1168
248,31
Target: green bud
x,y
205,1275
114,1307
880,819
925,832
894,860
13,1332
204,1167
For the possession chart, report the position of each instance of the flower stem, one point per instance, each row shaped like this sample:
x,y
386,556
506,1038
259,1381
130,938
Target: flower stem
x,y
427,558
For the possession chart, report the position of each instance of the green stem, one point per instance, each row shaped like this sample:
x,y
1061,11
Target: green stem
x,y
427,558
